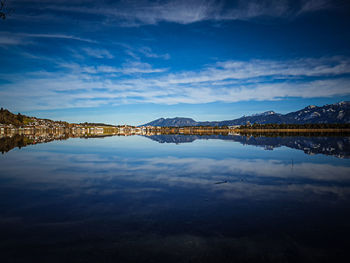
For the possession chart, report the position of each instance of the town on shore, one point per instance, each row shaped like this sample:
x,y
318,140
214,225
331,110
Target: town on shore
x,y
78,130
11,123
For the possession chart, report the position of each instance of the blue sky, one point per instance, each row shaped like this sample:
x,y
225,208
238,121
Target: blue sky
x,y
135,61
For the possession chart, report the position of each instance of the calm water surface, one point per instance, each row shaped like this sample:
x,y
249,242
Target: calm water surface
x,y
176,198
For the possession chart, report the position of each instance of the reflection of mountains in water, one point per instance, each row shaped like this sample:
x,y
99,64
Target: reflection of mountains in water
x,y
333,145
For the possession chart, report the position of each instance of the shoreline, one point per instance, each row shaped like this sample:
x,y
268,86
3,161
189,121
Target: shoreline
x,y
321,130
128,131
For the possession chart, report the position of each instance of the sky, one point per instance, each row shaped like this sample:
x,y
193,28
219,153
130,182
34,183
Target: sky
x,y
130,62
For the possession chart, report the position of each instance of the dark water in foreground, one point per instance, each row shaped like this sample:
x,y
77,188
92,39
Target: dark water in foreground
x,y
168,198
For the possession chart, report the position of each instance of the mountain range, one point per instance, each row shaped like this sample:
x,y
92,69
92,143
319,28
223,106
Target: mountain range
x,y
330,113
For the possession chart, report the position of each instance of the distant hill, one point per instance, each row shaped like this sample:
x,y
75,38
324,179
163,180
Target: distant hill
x,y
330,113
17,120
174,122
7,117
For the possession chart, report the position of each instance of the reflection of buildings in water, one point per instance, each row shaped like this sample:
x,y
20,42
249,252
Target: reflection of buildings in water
x,y
10,141
22,137
128,131
268,147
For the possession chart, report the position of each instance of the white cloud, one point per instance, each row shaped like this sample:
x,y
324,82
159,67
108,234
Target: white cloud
x,y
128,68
314,5
136,82
139,67
8,38
98,53
62,36
147,52
135,13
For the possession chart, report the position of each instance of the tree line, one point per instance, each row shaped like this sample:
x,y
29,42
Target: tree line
x,y
7,117
297,126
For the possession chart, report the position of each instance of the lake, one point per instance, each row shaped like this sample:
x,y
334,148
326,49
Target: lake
x,y
175,198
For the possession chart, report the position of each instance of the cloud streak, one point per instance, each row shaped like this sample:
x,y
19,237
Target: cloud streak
x,y
137,82
145,12
98,53
9,38
128,68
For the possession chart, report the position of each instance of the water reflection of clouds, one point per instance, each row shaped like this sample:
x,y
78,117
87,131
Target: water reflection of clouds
x,y
108,174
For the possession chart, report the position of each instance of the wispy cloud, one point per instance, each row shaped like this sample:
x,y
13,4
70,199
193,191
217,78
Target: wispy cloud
x,y
314,5
9,38
147,52
135,13
138,52
98,53
61,36
140,67
136,82
127,68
